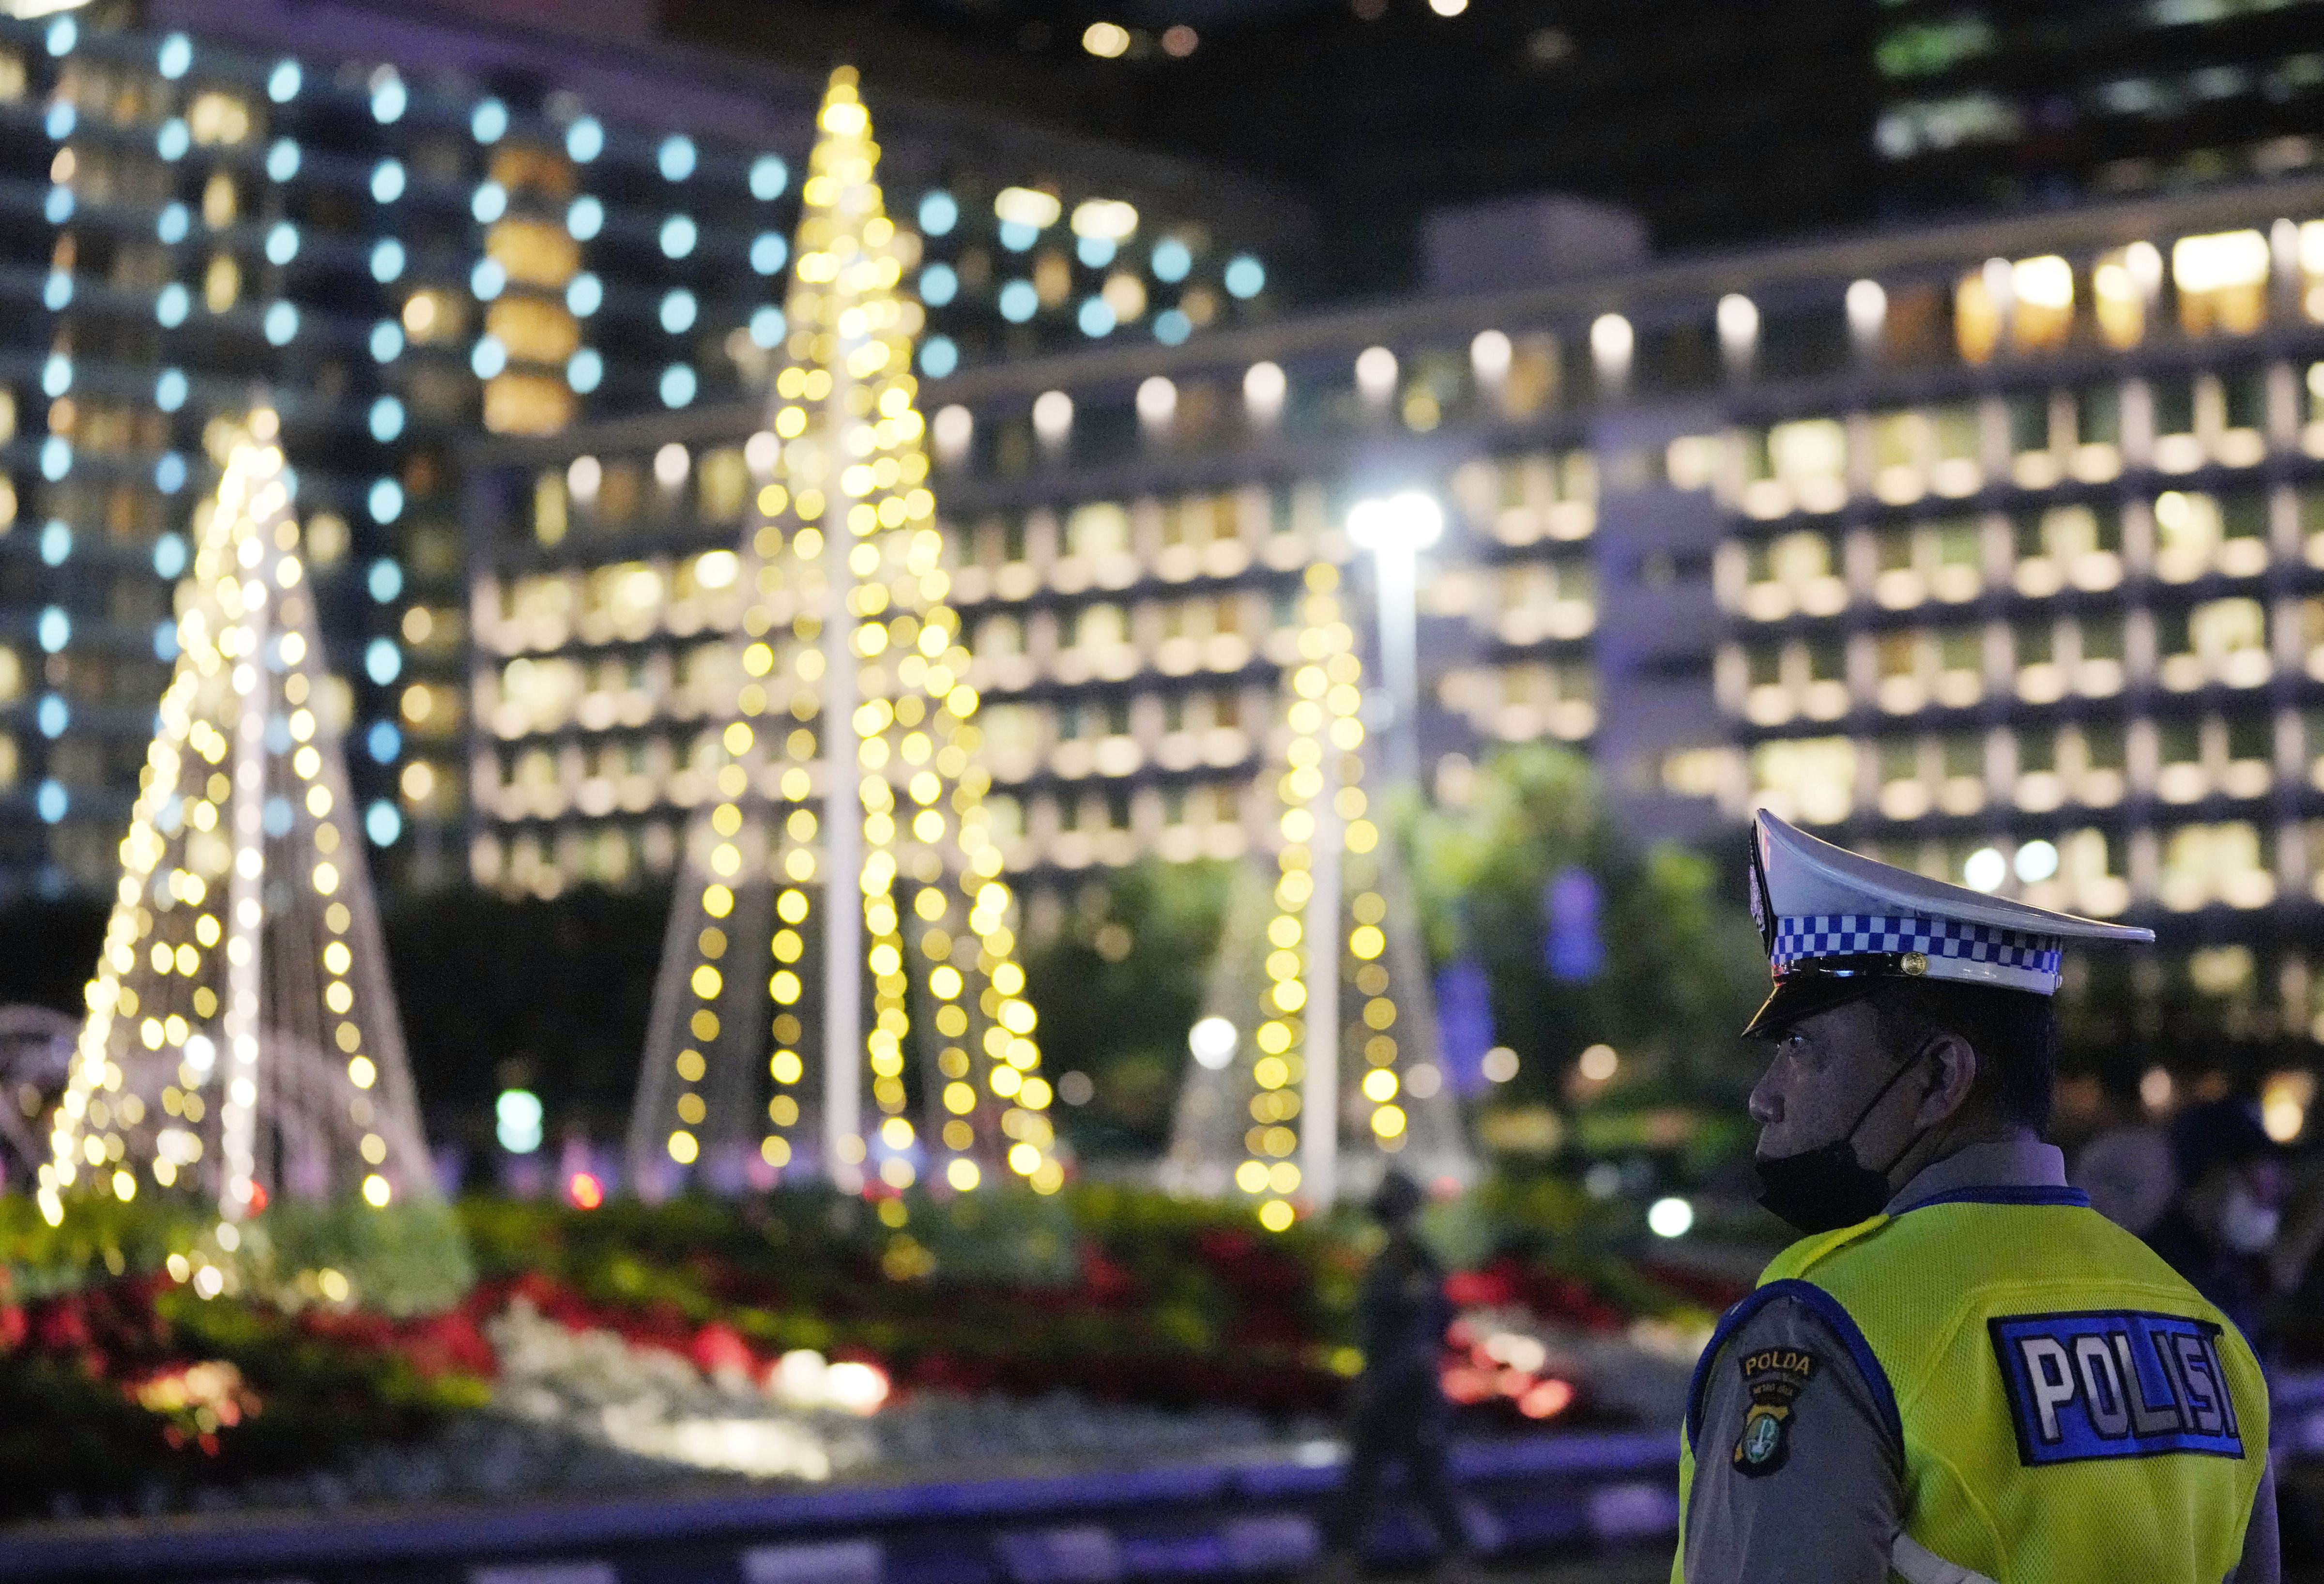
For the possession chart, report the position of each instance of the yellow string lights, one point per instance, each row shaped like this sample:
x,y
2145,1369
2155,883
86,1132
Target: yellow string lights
x,y
240,1036
1328,843
850,761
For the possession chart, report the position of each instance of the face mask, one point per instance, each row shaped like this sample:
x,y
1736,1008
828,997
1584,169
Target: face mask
x,y
1826,1188
2246,1225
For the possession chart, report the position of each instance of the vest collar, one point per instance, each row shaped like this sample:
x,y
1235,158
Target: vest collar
x,y
2011,1164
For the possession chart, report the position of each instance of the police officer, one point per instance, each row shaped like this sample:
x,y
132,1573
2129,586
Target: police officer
x,y
1400,1413
1961,1373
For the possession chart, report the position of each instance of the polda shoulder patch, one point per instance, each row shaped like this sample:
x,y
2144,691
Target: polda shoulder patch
x,y
1774,1377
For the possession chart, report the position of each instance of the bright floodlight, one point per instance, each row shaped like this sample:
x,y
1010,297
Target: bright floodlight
x,y
1985,870
2036,861
1213,1042
517,1116
1670,1218
1408,521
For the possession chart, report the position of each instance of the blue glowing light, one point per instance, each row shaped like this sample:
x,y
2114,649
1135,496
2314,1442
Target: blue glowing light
x,y
939,213
382,824
679,385
383,661
939,284
769,177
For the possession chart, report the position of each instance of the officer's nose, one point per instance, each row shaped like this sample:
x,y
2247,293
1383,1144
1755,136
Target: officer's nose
x,y
1766,1101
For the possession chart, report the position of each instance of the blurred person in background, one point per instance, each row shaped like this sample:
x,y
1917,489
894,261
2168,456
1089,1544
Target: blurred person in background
x,y
1400,1413
2222,1225
2127,1170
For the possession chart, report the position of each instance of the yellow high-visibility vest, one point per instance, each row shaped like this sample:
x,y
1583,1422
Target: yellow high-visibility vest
x,y
2070,1410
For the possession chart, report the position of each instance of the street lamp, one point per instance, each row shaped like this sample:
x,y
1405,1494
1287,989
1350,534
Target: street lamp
x,y
1396,528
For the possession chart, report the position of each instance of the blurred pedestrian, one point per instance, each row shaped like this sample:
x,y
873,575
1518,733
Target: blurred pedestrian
x,y
1399,1414
1960,1373
2222,1227
2129,1174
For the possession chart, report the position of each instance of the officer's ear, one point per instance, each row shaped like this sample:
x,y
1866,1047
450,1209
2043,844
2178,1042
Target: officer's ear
x,y
1950,1067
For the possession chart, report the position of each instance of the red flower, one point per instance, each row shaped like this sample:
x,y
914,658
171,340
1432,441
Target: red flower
x,y
719,1346
1490,1288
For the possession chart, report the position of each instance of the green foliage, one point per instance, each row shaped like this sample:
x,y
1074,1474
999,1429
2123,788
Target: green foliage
x,y
1682,968
100,1238
1117,988
406,1258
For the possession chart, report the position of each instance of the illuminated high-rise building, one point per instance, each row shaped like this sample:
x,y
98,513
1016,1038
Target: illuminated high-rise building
x,y
405,231
1991,105
1985,547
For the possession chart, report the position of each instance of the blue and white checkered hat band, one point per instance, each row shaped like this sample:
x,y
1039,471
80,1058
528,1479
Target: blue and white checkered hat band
x,y
1944,941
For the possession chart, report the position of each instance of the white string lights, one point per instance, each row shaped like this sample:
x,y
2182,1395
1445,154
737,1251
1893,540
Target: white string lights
x,y
871,787
1327,847
240,1037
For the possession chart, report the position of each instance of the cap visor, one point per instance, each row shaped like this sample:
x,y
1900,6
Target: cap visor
x,y
1805,995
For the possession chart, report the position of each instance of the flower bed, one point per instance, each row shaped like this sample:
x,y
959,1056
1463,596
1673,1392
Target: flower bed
x,y
796,1336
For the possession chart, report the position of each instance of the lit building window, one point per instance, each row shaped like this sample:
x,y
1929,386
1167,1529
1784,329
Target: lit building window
x,y
1810,779
2222,281
2202,865
2062,545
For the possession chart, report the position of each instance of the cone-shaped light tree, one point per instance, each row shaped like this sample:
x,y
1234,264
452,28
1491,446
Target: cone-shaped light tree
x,y
1319,1018
839,904
241,1040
